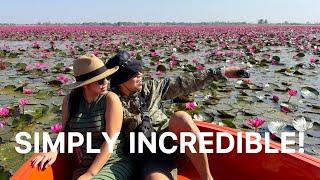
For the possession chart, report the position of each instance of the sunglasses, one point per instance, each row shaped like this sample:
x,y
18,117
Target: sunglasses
x,y
102,81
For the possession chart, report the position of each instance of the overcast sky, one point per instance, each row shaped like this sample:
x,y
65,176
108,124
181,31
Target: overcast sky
x,y
77,11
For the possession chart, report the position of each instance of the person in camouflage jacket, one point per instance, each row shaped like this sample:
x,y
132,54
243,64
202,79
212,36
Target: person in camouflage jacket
x,y
127,83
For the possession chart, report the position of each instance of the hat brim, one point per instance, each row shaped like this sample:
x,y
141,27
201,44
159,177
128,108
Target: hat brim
x,y
94,79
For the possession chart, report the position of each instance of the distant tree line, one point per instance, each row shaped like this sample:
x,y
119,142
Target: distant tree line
x,y
260,21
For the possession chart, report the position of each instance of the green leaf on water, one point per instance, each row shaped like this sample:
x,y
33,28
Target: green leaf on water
x,y
20,66
229,123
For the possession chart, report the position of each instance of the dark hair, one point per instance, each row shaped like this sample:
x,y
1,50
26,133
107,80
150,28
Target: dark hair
x,y
74,100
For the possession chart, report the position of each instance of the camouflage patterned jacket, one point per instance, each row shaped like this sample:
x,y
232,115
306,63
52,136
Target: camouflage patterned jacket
x,y
164,89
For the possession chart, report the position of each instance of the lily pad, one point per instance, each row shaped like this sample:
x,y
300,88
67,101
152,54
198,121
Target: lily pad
x,y
300,54
226,114
309,92
229,123
314,133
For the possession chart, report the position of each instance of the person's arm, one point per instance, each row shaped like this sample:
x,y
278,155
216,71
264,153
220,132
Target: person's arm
x,y
113,118
192,82
49,158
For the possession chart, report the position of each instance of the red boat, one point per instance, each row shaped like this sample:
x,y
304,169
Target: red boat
x,y
232,165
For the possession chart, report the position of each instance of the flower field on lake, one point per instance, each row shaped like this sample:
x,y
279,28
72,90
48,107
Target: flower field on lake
x,y
281,95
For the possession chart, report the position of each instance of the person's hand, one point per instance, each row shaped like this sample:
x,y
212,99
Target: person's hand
x,y
232,72
44,160
85,176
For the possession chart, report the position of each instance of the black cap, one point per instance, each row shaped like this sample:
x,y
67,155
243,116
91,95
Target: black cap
x,y
128,68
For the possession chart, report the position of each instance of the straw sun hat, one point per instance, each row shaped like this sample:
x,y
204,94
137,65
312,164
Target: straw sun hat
x,y
88,69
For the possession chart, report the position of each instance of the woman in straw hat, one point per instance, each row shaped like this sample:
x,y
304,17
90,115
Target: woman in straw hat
x,y
91,108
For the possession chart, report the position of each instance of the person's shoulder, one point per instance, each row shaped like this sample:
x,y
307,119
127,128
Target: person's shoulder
x,y
111,96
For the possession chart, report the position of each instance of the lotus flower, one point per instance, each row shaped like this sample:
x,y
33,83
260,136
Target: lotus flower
x,y
293,92
274,62
275,98
173,57
35,45
56,128
232,62
154,54
301,124
29,67
195,61
27,91
200,68
157,63
191,105
276,126
44,55
41,66
4,111
285,109
95,52
255,123
312,60
23,101
173,63
63,79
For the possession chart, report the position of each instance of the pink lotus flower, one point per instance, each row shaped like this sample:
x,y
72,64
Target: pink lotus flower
x,y
275,98
274,62
231,62
23,102
195,61
218,53
191,105
27,91
35,45
172,63
173,57
41,66
312,60
200,68
284,109
62,78
292,92
56,128
154,54
255,123
157,63
29,67
95,52
4,112
44,55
